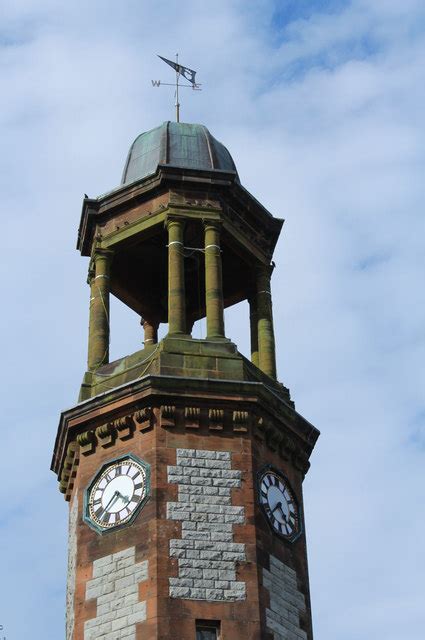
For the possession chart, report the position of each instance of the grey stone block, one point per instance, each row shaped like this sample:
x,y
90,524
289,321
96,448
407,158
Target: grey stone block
x,y
217,464
185,453
196,535
191,472
197,594
220,536
180,582
211,455
210,473
231,474
201,481
215,594
180,592
224,482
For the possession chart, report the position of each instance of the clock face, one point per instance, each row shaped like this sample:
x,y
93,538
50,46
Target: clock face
x,y
117,493
279,504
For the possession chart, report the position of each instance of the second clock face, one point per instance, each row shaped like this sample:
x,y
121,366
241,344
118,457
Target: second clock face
x,y
279,504
117,493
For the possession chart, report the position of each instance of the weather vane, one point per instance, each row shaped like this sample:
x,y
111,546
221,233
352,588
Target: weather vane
x,y
188,74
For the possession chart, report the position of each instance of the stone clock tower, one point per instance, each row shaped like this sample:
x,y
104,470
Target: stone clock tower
x,y
183,462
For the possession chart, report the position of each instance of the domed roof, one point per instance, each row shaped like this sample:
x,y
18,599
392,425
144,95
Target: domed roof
x,y
177,144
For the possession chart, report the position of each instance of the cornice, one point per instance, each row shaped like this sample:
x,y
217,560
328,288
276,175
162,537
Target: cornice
x,y
176,400
225,183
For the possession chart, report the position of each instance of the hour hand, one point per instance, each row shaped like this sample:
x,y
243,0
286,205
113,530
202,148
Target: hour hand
x,y
278,505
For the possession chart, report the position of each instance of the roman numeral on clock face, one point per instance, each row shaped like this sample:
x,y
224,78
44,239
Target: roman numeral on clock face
x,y
98,512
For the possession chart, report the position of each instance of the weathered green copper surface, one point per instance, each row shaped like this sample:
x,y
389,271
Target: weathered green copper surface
x,y
177,144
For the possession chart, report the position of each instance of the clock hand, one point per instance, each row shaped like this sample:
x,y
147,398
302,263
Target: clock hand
x,y
111,501
283,514
125,499
278,505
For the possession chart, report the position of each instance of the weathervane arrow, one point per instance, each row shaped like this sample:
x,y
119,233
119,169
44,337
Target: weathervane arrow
x,y
188,74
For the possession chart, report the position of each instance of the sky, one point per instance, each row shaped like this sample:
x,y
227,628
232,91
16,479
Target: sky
x,y
321,104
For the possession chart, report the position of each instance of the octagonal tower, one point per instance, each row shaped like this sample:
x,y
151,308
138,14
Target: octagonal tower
x,y
183,463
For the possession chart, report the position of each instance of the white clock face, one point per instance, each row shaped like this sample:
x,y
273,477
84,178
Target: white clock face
x,y
279,504
117,493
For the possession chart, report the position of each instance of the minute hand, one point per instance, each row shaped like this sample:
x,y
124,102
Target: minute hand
x,y
111,501
279,506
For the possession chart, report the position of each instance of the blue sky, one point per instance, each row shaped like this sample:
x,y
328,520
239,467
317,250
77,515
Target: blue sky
x,y
322,106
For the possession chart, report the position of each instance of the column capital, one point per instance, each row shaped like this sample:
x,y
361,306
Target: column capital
x,y
98,254
153,320
101,252
264,269
170,220
212,223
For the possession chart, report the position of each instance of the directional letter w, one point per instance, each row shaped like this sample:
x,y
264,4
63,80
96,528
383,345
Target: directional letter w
x,y
156,83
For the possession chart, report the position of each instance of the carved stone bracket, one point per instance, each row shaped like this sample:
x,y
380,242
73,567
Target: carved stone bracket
x,y
192,417
124,427
86,440
144,418
240,421
69,470
216,419
168,415
106,434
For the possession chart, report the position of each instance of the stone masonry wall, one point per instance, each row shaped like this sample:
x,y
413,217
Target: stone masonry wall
x,y
72,560
286,602
115,586
206,552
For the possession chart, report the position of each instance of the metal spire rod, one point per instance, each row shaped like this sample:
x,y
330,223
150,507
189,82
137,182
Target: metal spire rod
x,y
177,89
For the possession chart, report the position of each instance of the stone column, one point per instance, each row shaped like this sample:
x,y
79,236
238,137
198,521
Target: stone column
x,y
213,280
176,288
151,331
98,353
266,344
253,321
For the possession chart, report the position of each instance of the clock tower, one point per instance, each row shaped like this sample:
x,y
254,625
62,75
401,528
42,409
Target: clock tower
x,y
183,462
